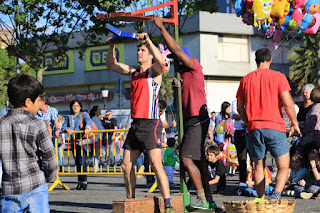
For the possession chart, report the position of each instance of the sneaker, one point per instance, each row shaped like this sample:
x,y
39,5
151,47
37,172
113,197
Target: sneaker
x,y
201,204
288,192
293,193
239,192
213,205
169,209
306,195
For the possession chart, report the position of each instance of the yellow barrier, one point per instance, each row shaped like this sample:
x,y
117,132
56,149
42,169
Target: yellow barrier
x,y
109,170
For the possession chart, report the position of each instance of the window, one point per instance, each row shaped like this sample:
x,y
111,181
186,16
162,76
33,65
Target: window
x,y
233,48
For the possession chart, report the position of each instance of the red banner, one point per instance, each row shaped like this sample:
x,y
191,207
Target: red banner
x,y
95,96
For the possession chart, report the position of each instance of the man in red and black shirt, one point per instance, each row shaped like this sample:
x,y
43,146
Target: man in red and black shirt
x,y
146,128
196,119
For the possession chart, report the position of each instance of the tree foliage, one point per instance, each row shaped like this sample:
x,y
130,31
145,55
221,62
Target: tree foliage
x,y
38,26
305,60
7,71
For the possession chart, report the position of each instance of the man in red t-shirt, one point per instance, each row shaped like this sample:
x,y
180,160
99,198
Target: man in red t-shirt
x,y
259,105
196,119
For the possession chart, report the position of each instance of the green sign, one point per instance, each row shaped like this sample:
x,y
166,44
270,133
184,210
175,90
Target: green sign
x,y
65,65
96,56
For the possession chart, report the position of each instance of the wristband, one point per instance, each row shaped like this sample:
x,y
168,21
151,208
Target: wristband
x,y
58,129
313,168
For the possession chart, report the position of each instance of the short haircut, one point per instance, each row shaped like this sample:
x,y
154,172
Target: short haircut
x,y
22,87
145,44
213,149
171,142
73,102
307,86
315,95
263,55
213,112
162,104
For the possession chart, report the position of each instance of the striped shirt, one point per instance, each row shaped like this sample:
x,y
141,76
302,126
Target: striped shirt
x,y
27,153
144,96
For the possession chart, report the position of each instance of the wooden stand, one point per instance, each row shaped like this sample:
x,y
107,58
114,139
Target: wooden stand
x,y
148,205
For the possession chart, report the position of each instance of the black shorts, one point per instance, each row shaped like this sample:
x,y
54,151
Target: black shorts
x,y
195,132
144,134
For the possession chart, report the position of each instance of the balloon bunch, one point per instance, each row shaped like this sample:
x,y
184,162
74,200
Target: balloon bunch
x,y
287,15
226,126
165,53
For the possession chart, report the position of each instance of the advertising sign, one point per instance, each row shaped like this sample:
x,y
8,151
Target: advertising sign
x,y
65,65
96,56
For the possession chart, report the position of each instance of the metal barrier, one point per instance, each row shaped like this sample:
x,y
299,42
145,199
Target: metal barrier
x,y
88,150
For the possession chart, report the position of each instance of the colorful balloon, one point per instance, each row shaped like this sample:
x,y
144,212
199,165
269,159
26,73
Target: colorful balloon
x,y
220,129
290,16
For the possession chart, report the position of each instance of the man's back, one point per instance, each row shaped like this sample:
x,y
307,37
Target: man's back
x,y
24,140
260,90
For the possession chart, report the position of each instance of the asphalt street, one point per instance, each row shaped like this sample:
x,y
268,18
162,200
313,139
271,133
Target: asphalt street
x,y
102,190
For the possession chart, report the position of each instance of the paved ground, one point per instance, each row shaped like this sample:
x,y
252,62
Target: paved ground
x,y
102,190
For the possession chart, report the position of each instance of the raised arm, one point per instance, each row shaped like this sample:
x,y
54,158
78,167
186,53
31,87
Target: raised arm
x,y
172,44
112,63
158,67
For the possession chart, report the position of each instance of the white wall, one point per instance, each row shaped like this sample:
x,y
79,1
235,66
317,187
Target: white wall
x,y
220,91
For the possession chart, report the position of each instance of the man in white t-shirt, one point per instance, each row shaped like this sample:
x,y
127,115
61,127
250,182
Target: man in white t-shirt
x,y
240,142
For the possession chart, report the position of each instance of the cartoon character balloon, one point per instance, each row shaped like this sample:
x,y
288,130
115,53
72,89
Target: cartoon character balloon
x,y
261,12
232,158
290,16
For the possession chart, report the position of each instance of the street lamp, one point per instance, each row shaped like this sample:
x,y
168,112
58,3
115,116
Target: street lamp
x,y
105,93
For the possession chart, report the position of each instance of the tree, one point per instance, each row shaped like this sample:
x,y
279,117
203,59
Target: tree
x,y
34,27
7,71
306,58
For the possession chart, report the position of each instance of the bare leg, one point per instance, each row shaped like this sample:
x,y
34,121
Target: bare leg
x,y
283,171
193,172
259,178
129,159
156,163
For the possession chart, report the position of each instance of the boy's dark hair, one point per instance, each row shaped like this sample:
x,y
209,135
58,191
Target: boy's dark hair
x,y
22,87
315,95
171,142
93,111
213,149
162,104
213,112
263,55
73,102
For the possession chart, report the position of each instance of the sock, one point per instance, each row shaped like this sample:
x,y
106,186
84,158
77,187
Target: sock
x,y
200,194
276,195
167,202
